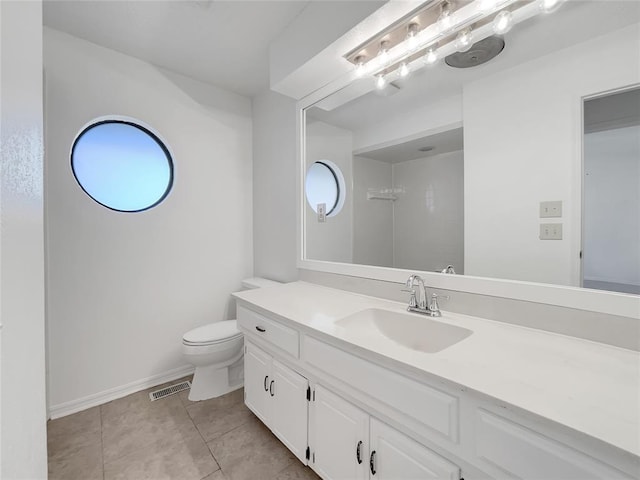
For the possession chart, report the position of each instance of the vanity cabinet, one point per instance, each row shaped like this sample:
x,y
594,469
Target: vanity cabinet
x,y
298,384
346,442
338,437
278,397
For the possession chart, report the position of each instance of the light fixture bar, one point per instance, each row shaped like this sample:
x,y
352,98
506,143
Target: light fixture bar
x,y
524,12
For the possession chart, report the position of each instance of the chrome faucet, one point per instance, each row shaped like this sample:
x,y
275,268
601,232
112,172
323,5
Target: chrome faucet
x,y
419,305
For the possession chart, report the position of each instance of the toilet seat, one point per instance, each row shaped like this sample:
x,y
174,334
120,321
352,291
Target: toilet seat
x,y
213,333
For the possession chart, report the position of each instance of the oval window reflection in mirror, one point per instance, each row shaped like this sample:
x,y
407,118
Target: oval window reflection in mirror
x,y
324,183
122,165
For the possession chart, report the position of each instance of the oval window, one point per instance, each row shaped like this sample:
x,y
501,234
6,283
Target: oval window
x,y
122,165
324,184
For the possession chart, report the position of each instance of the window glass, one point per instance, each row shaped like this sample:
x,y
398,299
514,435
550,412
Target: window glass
x,y
122,165
321,186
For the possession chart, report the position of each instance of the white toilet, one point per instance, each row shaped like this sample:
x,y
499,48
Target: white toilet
x,y
216,351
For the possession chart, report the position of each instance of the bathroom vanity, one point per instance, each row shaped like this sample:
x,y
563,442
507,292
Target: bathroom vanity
x,y
355,395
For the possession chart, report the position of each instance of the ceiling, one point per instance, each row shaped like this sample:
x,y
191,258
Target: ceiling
x,y
224,43
438,143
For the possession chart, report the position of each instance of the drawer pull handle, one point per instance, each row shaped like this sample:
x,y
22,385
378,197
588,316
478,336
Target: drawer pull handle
x,y
358,452
372,463
266,377
271,388
260,329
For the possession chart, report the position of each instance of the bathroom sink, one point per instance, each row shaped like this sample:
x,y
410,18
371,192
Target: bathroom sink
x,y
414,331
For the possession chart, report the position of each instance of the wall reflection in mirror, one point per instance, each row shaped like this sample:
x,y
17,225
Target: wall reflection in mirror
x,y
482,167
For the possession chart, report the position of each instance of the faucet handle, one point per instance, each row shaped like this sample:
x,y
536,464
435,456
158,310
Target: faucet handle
x,y
435,296
412,300
434,308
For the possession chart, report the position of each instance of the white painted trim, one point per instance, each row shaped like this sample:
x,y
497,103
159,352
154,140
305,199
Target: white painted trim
x,y
67,408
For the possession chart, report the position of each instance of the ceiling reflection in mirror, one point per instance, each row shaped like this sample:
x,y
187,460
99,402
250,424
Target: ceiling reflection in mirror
x,y
481,167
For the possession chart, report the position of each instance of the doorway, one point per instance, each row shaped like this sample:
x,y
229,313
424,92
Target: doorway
x,y
611,193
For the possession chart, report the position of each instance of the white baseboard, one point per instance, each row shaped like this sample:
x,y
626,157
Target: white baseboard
x,y
67,408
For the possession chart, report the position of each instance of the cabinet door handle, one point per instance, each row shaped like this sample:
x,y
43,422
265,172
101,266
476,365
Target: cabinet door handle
x,y
266,377
260,329
372,466
359,453
271,388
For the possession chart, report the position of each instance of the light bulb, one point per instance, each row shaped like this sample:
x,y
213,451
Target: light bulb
x,y
412,38
549,5
464,40
487,5
381,82
503,22
383,53
360,68
404,69
444,20
431,57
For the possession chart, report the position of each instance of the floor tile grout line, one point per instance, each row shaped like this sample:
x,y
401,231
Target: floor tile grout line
x,y
202,437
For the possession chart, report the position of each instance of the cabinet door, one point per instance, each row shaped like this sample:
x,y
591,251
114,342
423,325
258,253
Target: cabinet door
x,y
397,457
339,431
290,409
257,380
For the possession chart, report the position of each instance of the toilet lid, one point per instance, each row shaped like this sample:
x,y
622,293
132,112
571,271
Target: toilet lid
x,y
212,333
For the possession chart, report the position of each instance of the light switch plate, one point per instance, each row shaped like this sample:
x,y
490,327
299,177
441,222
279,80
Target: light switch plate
x,y
550,231
322,212
551,209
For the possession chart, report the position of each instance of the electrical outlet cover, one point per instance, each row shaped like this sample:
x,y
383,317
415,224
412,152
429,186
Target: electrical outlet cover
x,y
551,209
550,231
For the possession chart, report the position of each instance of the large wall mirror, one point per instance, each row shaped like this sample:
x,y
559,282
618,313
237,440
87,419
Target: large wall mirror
x,y
479,166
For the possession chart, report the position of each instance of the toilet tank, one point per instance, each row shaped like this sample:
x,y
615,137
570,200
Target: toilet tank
x,y
257,282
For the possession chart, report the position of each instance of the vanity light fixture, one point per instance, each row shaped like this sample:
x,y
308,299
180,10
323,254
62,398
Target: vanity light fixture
x,y
464,40
431,56
503,22
549,5
444,20
487,5
360,68
412,39
383,53
437,29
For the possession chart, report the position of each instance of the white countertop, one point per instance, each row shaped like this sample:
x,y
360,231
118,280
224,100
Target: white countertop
x,y
590,387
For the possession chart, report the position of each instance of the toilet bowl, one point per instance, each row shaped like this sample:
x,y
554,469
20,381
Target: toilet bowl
x,y
216,350
213,349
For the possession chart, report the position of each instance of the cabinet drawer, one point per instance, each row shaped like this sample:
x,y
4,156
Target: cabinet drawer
x,y
273,332
523,453
435,409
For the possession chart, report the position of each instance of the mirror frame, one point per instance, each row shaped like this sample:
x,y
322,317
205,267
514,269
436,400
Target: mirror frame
x,y
601,301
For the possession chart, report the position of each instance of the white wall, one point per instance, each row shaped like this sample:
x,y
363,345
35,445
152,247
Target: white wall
x,y
124,288
22,404
372,219
333,239
274,187
534,110
428,216
612,206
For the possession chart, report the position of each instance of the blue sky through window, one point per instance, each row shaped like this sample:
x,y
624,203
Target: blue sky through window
x,y
121,166
321,187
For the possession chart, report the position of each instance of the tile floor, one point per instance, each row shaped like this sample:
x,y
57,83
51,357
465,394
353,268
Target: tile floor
x,y
172,438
